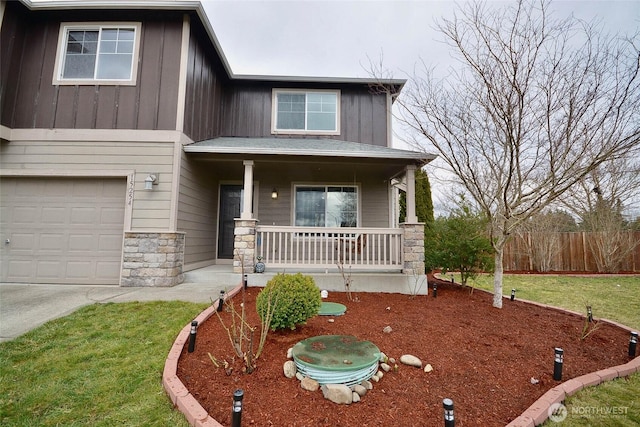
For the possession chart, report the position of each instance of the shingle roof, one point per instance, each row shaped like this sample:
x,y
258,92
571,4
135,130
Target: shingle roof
x,y
303,147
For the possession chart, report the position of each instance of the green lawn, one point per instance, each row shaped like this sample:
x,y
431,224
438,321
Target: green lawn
x,y
100,366
615,403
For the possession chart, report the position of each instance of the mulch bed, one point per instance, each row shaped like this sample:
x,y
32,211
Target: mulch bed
x,y
483,358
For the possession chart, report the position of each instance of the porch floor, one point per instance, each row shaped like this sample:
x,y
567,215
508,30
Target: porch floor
x,y
361,281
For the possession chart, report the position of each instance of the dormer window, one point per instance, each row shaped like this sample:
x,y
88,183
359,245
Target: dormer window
x,y
97,53
306,112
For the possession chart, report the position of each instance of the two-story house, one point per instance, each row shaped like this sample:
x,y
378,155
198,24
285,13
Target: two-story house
x,y
131,153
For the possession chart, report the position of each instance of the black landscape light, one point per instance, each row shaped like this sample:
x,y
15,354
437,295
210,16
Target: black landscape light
x,y
221,300
452,278
435,290
246,281
589,314
449,421
633,342
192,336
513,294
557,364
236,412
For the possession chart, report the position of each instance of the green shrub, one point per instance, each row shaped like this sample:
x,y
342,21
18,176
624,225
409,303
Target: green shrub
x,y
296,298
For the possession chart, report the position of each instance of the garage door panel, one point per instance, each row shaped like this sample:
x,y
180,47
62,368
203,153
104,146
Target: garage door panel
x,y
62,230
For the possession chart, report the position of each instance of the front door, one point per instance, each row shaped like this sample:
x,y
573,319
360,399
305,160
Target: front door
x,y
230,208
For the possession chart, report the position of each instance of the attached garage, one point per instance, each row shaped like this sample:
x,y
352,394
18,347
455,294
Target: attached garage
x,y
62,230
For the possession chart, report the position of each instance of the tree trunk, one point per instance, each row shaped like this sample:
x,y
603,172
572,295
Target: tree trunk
x,y
497,276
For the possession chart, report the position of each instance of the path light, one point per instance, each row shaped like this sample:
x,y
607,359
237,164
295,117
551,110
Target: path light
x,y
633,342
435,290
513,294
192,336
236,413
452,278
449,421
246,281
324,293
221,300
589,314
557,364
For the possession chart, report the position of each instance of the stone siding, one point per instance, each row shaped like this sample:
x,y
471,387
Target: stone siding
x,y
413,248
244,245
152,259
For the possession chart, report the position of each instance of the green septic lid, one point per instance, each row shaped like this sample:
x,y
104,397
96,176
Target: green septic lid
x,y
336,353
332,309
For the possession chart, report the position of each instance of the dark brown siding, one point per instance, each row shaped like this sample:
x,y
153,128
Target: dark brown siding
x,y
206,80
29,100
247,112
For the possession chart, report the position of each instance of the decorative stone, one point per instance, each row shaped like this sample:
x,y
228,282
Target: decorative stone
x,y
360,390
290,353
367,384
375,379
428,368
309,384
337,393
355,397
299,376
385,367
383,357
411,360
392,361
387,329
380,374
289,369
331,320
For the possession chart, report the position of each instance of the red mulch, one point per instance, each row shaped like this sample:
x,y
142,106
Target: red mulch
x,y
483,359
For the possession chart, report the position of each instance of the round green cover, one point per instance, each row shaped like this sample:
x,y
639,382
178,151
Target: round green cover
x,y
336,353
332,309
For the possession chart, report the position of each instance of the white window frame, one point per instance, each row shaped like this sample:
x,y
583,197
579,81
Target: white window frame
x,y
326,186
274,112
61,51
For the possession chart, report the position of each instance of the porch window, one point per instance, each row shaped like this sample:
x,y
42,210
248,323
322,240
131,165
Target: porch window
x,y
97,54
298,111
326,206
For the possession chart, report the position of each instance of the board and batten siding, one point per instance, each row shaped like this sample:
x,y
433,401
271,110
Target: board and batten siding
x,y
29,99
246,112
150,210
197,211
206,80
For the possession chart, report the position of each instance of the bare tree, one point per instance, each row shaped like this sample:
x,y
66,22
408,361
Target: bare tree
x,y
535,105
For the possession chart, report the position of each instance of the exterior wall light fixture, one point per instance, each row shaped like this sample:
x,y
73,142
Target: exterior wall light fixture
x,y
274,193
151,180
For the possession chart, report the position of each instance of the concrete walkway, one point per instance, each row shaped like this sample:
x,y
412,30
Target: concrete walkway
x,y
26,306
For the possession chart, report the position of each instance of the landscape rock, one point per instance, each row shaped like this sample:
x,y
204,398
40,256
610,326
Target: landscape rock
x,y
380,374
299,376
309,384
385,367
387,329
367,384
289,369
411,360
428,368
355,397
290,353
383,357
337,393
360,390
392,361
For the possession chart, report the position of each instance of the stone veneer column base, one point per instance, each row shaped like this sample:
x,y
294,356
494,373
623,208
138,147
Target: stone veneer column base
x,y
152,259
244,245
413,248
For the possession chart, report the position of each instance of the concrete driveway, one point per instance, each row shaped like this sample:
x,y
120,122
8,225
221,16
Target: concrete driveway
x,y
27,306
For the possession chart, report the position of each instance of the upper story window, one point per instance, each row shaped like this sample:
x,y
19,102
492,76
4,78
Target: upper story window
x,y
306,112
104,53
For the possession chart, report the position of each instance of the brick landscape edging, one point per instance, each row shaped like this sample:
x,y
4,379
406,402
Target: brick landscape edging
x,y
535,415
180,397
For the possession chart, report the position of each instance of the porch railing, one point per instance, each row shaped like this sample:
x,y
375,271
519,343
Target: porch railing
x,y
326,248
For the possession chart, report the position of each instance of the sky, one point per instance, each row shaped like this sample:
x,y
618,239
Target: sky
x,y
333,38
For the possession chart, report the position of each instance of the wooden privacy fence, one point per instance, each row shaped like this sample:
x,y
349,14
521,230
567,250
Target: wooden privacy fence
x,y
601,252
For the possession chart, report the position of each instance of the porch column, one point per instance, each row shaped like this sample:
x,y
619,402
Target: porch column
x,y
247,210
411,195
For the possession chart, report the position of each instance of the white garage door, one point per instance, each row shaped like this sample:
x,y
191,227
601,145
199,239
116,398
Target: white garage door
x,y
61,230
